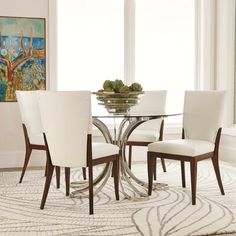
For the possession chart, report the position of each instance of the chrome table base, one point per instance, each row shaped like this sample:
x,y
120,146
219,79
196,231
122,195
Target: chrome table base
x,y
138,186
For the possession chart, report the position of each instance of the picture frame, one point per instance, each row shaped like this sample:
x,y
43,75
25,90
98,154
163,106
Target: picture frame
x,y
22,55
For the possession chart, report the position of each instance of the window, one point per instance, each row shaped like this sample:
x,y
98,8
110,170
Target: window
x,y
90,43
165,48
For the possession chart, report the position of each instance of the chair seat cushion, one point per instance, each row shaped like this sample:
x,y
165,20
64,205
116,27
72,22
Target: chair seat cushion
x,y
185,147
36,139
104,149
143,136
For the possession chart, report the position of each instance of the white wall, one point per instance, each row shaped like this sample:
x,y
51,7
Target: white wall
x,y
11,134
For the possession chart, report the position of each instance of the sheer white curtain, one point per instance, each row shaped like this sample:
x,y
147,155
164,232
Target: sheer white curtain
x,y
216,49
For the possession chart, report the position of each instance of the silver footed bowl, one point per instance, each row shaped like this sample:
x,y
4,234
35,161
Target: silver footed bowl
x,y
118,103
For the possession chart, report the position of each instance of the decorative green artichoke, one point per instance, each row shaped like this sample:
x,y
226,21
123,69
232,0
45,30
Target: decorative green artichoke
x,y
124,89
118,86
135,87
108,86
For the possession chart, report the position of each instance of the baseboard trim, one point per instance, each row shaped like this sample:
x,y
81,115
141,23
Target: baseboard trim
x,y
15,159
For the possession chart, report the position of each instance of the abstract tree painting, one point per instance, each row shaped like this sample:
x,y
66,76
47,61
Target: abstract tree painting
x,y
22,56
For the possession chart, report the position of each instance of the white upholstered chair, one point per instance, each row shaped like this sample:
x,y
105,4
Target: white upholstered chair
x,y
32,127
67,124
150,131
202,122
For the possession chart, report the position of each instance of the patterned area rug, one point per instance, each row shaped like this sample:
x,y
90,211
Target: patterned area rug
x,y
167,212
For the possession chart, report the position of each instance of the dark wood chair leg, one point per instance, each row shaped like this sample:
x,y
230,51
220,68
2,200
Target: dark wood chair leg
x,y
46,167
130,156
27,157
84,173
90,178
163,164
215,163
58,176
67,180
150,164
183,174
155,171
155,168
47,184
193,169
116,167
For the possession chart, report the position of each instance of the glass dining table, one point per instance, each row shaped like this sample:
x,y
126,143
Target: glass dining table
x,y
123,126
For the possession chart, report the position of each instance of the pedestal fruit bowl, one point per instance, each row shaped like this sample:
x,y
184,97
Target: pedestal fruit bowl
x,y
117,97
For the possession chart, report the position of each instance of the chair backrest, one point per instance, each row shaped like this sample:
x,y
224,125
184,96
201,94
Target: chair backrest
x,y
151,102
66,120
203,114
29,110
